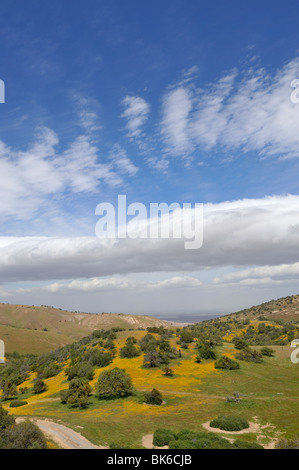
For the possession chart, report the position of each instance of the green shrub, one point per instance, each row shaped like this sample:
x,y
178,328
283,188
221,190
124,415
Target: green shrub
x,y
25,435
16,403
152,359
50,371
199,440
114,445
186,336
80,370
226,362
206,352
148,343
186,439
77,394
209,441
162,437
39,386
186,435
267,352
198,358
249,355
153,398
181,444
229,423
129,350
168,372
240,343
114,383
6,420
98,359
247,445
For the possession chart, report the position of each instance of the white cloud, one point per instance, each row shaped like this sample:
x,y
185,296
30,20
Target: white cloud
x,y
87,113
282,272
241,112
122,162
96,285
177,105
160,164
28,178
258,232
136,113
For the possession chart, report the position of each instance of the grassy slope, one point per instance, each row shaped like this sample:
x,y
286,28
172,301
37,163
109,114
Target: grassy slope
x,y
285,308
196,394
21,326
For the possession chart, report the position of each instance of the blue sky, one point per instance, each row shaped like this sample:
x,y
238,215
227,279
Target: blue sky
x,y
161,101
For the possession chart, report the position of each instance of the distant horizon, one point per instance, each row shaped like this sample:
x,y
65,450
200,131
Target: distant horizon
x,y
175,316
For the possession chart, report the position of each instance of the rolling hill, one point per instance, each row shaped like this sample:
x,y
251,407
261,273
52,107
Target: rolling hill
x,y
31,329
284,308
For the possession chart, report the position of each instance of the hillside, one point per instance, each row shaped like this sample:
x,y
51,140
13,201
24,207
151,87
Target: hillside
x,y
65,387
30,329
284,308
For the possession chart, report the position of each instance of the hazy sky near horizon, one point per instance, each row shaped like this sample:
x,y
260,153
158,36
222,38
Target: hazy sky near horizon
x,y
169,101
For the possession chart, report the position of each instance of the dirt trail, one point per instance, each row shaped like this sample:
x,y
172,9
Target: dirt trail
x,y
63,436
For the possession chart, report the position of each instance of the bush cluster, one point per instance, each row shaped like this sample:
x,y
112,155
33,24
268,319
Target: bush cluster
x,y
229,423
186,439
225,362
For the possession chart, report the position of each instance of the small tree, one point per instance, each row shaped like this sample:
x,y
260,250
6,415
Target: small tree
x,y
85,369
165,346
25,435
129,350
77,393
168,372
267,352
114,383
39,386
249,355
9,390
148,343
206,352
153,398
186,336
240,343
6,420
198,358
226,362
151,359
